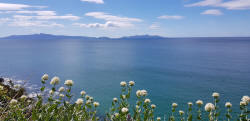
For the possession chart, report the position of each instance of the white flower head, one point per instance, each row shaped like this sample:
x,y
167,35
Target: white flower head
x,y
123,96
83,93
215,95
209,107
87,97
13,101
174,105
61,95
228,105
45,77
55,80
69,82
153,106
88,101
116,115
243,103
115,99
181,112
131,83
199,102
96,104
51,92
17,86
147,101
61,89
79,101
23,97
138,93
144,93
158,118
1,87
123,83
190,104
137,106
124,110
245,99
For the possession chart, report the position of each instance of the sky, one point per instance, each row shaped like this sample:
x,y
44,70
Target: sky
x,y
116,18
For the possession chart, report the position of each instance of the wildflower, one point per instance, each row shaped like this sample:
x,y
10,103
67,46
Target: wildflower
x,y
245,99
190,104
137,106
23,97
1,87
55,80
153,106
69,82
199,102
79,101
61,89
116,115
17,86
51,92
181,112
61,95
124,110
147,101
91,98
45,77
123,83
158,118
88,101
96,104
123,96
209,107
174,105
83,93
115,99
138,93
228,105
131,83
87,97
216,95
13,101
243,103
144,92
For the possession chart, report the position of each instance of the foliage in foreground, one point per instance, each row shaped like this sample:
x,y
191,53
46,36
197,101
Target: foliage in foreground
x,y
58,106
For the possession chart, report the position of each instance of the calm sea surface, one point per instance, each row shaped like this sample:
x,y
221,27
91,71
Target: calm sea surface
x,y
172,70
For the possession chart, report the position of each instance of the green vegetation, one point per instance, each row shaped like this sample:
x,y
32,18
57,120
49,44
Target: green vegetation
x,y
58,106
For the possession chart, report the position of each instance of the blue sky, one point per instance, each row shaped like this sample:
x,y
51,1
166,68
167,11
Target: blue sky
x,y
115,18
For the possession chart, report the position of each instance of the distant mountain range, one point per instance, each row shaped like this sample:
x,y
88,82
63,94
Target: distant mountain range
x,y
42,36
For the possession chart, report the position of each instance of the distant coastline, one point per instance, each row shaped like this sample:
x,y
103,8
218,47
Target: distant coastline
x,y
43,36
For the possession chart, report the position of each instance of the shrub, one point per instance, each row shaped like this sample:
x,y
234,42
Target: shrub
x,y
58,106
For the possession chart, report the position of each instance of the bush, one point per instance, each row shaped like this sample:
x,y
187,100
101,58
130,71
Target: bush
x,y
58,106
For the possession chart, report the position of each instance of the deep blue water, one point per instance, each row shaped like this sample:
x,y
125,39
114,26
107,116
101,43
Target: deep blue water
x,y
172,70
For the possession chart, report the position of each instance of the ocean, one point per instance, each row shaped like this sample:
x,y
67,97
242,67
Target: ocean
x,y
171,70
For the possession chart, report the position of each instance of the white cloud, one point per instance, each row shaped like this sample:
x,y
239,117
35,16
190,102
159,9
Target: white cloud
x,y
108,17
108,24
212,12
94,1
236,4
9,6
111,21
177,17
4,20
25,23
40,13
205,3
232,4
48,17
154,26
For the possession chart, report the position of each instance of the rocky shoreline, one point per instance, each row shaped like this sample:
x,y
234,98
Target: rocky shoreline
x,y
10,90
